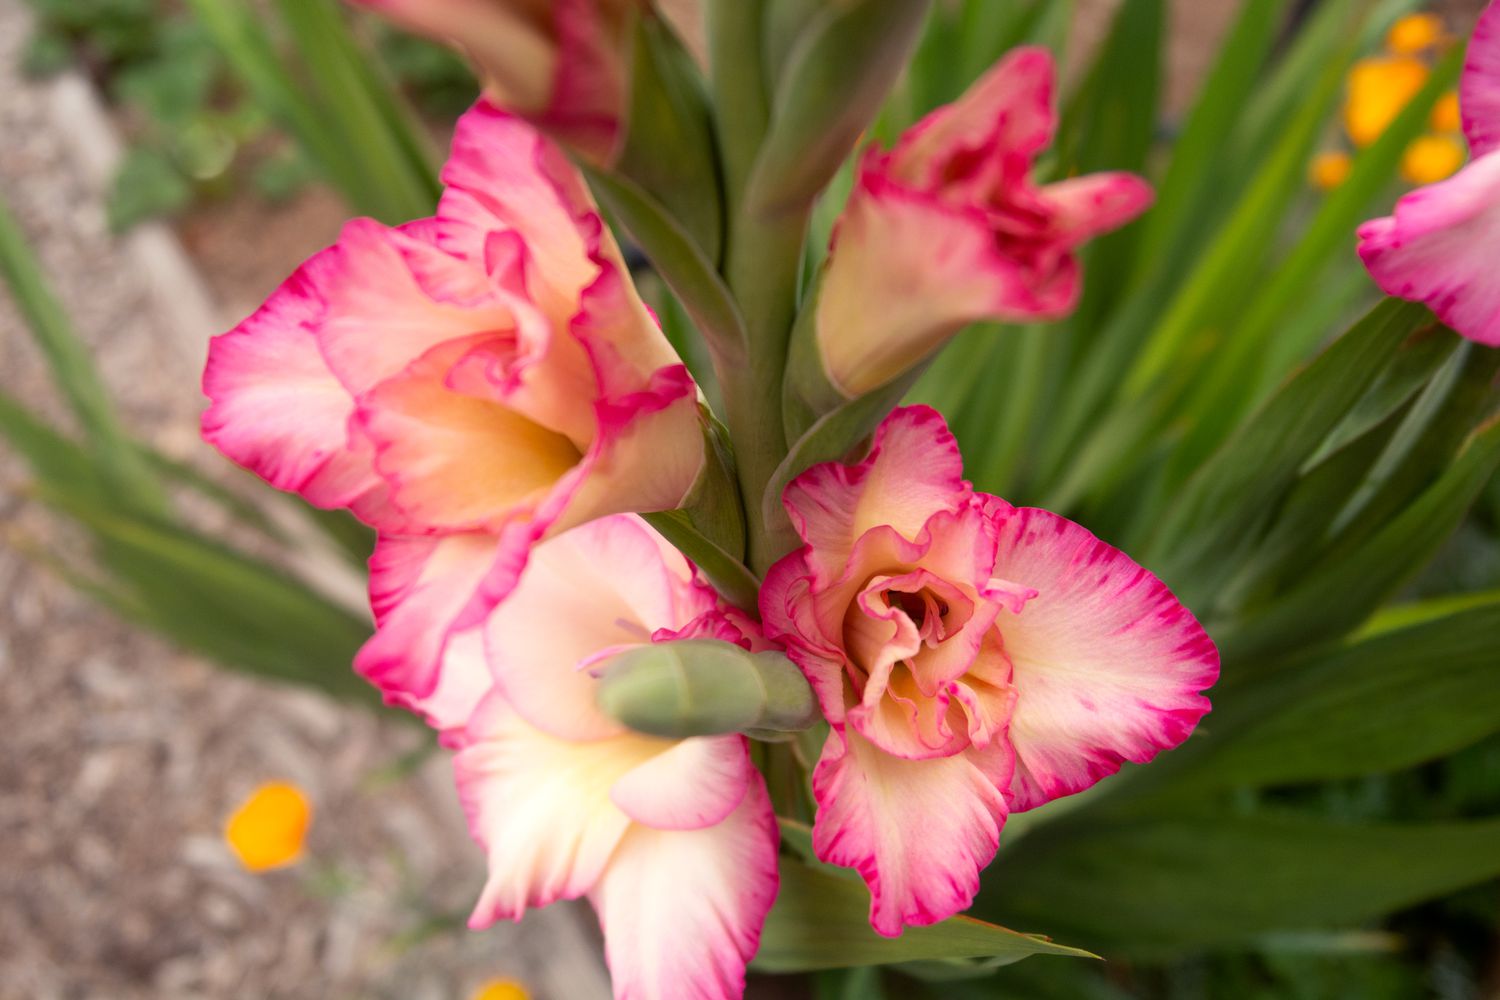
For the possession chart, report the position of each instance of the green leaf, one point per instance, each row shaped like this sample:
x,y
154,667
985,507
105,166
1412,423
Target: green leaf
x,y
1343,592
209,598
1200,146
1198,265
1218,285
837,73
679,259
1110,121
47,53
669,145
821,921
1390,702
147,185
1216,513
1258,347
367,121
72,369
1163,884
359,139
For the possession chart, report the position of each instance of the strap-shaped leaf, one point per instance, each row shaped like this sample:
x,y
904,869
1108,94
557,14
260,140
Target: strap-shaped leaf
x,y
1344,592
1214,515
669,145
679,260
1162,884
821,921
1389,702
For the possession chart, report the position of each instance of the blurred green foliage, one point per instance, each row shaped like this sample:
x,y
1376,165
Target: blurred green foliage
x,y
197,124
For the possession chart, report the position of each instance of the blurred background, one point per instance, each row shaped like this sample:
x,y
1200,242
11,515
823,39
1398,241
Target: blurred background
x,y
163,165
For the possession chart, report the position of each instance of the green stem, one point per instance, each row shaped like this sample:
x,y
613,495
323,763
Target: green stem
x,y
762,263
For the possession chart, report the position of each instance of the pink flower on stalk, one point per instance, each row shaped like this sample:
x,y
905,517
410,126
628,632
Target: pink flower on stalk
x,y
562,64
972,659
673,841
948,228
1441,245
468,384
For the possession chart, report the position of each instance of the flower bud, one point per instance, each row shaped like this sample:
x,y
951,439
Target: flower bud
x,y
562,64
703,687
948,228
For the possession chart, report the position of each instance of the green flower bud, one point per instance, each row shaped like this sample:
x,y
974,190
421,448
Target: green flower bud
x,y
704,687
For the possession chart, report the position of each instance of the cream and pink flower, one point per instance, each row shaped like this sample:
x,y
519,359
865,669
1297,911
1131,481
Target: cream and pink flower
x,y
972,659
468,384
1441,245
673,841
562,64
948,228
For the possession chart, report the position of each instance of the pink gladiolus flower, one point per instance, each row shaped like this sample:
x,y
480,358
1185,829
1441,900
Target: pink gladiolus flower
x,y
947,228
562,64
1441,245
673,841
972,658
468,384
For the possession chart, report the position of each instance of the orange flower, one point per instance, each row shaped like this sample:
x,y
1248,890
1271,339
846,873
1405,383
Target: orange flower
x,y
1329,170
1432,158
1445,114
1379,88
267,830
1415,34
501,989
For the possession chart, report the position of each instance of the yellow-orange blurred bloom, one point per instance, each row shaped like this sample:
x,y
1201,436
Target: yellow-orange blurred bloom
x,y
501,989
1329,170
1445,114
1379,88
268,829
1414,34
1432,158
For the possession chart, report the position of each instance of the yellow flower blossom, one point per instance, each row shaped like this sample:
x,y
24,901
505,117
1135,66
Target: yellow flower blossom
x,y
1378,89
1415,34
501,989
268,829
1329,170
1432,158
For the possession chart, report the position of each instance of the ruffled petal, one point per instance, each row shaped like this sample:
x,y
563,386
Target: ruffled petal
x,y
648,455
917,831
502,174
463,680
1006,112
696,783
1093,204
1107,664
540,808
276,407
456,461
608,584
912,472
422,590
682,910
907,270
1479,90
1440,248
393,296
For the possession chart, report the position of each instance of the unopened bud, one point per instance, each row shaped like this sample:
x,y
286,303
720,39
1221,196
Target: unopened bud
x,y
704,687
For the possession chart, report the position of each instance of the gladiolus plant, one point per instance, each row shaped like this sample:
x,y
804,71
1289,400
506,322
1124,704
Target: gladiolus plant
x,y
916,661
840,494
